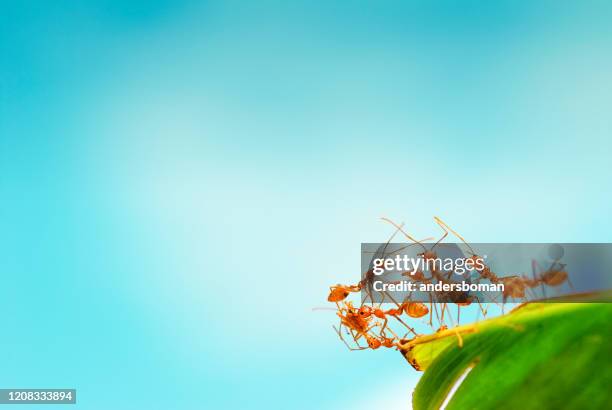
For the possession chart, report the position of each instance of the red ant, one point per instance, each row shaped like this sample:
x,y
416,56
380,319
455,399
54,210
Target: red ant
x,y
357,325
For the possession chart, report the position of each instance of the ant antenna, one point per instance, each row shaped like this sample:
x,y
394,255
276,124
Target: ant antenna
x,y
399,228
444,226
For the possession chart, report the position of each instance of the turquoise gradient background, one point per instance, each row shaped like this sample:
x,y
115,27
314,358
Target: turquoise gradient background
x,y
180,181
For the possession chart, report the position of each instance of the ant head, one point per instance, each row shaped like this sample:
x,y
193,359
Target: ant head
x,y
373,342
427,255
350,309
387,342
365,311
337,294
556,251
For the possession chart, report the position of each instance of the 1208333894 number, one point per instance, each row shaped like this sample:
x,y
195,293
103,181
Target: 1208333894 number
x,y
15,396
40,395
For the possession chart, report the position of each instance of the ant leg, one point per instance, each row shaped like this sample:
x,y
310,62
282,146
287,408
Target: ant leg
x,y
493,300
370,328
398,228
450,316
431,314
534,265
407,327
369,292
399,307
439,240
355,337
431,305
393,333
345,342
442,314
437,315
339,333
483,310
394,301
384,325
382,300
530,293
569,283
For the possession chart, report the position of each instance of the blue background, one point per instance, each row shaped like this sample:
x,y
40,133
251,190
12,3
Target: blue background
x,y
181,181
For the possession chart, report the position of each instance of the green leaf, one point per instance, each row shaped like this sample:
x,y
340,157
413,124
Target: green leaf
x,y
554,355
